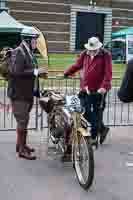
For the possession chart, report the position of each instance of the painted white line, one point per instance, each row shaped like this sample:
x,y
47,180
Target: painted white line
x,y
128,164
130,153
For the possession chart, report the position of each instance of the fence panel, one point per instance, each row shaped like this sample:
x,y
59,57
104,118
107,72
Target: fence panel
x,y
116,113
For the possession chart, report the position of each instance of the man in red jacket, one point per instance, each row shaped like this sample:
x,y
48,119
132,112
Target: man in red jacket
x,y
95,65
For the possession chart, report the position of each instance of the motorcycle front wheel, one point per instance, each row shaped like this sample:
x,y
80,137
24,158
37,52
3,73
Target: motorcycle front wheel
x,y
83,160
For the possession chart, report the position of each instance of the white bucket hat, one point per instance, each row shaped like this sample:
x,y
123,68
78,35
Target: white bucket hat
x,y
93,44
30,31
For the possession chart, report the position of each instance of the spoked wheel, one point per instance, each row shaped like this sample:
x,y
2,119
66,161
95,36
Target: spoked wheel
x,y
84,162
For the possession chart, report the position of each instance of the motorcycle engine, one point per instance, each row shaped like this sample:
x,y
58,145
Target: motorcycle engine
x,y
61,122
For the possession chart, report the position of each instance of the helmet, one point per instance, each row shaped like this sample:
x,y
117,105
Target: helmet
x,y
28,33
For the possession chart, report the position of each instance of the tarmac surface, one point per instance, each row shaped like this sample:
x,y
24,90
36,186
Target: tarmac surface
x,y
47,178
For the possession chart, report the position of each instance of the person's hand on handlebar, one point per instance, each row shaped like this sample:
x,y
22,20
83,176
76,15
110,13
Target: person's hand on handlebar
x,y
65,76
68,76
85,89
41,72
101,91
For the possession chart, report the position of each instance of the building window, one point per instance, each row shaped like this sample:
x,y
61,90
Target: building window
x,y
3,3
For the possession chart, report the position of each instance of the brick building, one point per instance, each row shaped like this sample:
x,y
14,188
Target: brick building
x,y
66,23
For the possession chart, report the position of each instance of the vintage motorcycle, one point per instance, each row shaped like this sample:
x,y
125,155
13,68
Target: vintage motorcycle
x,y
65,112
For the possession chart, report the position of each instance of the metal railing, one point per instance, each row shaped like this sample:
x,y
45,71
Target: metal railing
x,y
116,113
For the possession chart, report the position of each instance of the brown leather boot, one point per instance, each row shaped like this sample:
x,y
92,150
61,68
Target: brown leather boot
x,y
20,138
22,152
29,149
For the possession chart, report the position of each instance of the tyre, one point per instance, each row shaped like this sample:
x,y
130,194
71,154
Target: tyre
x,y
84,162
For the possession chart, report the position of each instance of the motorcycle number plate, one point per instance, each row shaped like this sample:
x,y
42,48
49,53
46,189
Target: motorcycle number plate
x,y
72,100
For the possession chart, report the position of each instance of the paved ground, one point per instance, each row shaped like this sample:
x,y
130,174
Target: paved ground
x,y
47,178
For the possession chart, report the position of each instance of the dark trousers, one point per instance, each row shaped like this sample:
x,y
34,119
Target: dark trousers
x,y
94,105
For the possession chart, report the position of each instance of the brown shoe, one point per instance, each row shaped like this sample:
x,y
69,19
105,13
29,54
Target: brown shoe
x,y
22,140
26,155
